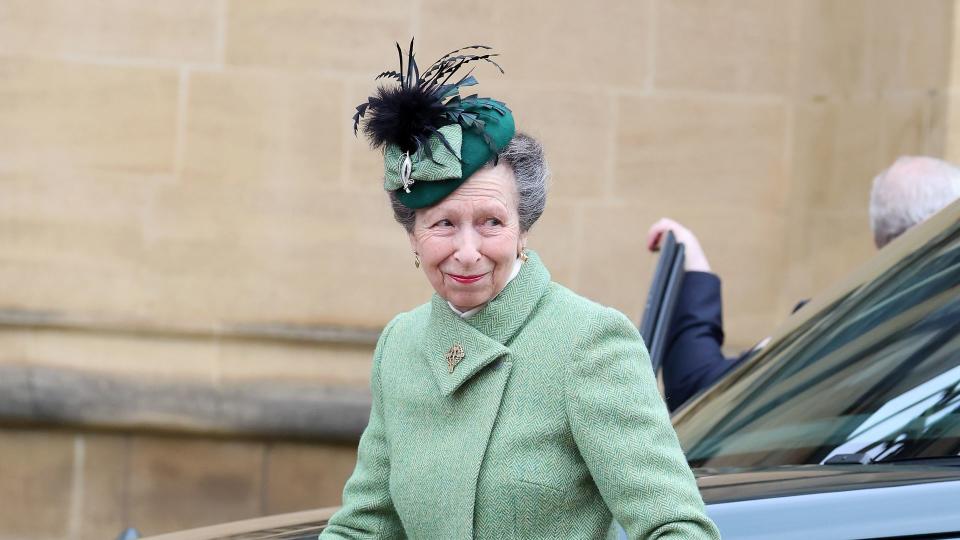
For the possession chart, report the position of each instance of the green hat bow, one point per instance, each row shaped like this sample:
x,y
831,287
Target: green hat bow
x,y
402,170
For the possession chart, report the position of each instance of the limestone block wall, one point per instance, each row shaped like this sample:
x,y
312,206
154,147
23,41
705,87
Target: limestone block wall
x,y
74,484
952,150
182,198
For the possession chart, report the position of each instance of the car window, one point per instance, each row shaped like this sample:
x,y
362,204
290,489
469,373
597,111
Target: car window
x,y
877,373
662,298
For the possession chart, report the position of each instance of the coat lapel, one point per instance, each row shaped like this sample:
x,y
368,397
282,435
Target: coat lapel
x,y
484,337
478,350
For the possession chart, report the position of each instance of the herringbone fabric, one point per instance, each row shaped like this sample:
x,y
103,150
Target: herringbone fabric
x,y
550,422
440,165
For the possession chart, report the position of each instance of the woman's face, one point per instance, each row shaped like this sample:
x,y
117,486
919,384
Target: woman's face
x,y
468,242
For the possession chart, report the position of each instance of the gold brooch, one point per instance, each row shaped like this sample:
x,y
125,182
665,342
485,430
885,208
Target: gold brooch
x,y
454,356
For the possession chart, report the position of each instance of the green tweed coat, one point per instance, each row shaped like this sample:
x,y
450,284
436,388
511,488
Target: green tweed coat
x,y
549,422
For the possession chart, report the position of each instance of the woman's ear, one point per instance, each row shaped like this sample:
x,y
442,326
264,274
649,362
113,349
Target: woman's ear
x,y
413,242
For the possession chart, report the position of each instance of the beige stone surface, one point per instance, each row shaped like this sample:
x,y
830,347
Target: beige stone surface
x,y
259,217
36,478
914,125
64,116
248,130
952,144
575,129
577,42
59,484
825,247
345,36
67,234
947,134
160,358
563,43
617,268
445,26
797,279
302,477
701,152
209,196
726,46
836,240
910,52
181,483
362,171
200,367
937,113
558,238
330,365
837,149
197,193
751,257
104,485
172,31
832,48
294,260
906,127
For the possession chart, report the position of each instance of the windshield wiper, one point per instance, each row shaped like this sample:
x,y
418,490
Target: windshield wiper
x,y
849,459
945,461
864,459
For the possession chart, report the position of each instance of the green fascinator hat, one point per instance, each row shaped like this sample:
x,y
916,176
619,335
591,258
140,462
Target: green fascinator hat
x,y
432,138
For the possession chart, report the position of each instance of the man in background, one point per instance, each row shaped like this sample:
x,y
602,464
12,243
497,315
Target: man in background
x,y
905,194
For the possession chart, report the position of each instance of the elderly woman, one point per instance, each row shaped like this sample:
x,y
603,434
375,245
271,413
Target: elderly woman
x,y
507,406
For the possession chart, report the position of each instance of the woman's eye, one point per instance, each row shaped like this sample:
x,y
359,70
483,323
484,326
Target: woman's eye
x,y
443,223
494,222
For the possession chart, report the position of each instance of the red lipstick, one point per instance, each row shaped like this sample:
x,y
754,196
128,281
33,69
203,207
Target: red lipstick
x,y
466,280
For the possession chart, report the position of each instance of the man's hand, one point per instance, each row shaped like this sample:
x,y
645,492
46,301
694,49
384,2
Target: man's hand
x,y
695,260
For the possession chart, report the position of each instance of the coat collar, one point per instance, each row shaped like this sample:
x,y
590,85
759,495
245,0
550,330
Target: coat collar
x,y
485,335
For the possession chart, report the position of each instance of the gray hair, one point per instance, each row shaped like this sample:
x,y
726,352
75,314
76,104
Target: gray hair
x,y
525,156
908,192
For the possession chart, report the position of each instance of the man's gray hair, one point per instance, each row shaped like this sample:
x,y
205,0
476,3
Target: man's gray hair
x,y
524,155
911,190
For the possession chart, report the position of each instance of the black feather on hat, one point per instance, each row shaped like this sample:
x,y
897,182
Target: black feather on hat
x,y
409,114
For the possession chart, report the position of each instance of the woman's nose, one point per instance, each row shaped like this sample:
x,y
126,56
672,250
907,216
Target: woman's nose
x,y
468,247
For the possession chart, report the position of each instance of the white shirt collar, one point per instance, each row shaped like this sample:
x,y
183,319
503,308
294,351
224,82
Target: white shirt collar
x,y
470,312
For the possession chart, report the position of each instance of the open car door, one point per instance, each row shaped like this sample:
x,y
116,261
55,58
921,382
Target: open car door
x,y
662,299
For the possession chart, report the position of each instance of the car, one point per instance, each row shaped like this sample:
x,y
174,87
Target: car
x,y
844,425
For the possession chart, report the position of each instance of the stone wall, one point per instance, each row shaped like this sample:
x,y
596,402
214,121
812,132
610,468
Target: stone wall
x,y
70,484
183,199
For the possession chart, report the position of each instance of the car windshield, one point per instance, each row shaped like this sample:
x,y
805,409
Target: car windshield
x,y
876,374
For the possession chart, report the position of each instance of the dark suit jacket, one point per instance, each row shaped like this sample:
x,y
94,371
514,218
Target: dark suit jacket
x,y
693,359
